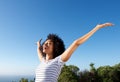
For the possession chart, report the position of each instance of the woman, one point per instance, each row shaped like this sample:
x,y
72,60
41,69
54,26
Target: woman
x,y
53,55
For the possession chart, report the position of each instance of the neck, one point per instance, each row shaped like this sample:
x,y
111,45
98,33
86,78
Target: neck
x,y
49,57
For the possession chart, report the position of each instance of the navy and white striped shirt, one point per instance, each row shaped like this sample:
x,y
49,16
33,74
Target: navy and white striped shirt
x,y
49,71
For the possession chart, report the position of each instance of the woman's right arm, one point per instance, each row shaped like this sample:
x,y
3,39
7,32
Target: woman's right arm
x,y
39,50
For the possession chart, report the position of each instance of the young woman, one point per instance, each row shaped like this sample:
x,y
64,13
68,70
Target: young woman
x,y
53,55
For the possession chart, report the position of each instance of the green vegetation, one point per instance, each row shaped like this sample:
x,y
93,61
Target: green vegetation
x,y
69,74
102,74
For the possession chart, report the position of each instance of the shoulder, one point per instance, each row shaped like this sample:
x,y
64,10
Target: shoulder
x,y
58,58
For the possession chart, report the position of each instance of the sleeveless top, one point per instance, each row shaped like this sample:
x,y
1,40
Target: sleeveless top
x,y
49,71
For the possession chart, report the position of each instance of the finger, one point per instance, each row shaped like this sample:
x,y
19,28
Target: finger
x,y
109,24
112,24
40,40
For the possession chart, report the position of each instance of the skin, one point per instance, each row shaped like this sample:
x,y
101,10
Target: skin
x,y
68,52
47,48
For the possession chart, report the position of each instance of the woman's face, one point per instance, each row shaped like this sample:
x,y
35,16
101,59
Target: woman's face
x,y
48,47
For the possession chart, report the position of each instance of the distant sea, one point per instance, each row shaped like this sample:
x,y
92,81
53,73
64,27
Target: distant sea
x,y
15,78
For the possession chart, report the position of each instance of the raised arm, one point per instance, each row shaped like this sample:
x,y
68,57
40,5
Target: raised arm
x,y
39,50
67,54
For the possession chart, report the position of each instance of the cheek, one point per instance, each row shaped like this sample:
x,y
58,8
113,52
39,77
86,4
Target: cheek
x,y
52,48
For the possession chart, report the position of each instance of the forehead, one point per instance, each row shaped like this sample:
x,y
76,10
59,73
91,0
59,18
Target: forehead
x,y
48,40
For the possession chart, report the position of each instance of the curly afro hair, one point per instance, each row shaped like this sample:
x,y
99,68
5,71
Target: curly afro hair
x,y
58,45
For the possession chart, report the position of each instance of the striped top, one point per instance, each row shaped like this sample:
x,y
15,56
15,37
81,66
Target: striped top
x,y
49,71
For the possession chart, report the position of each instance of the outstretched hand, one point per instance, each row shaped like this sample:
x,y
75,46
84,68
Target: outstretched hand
x,y
39,43
104,25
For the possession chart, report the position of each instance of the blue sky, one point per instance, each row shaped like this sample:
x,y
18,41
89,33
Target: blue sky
x,y
24,22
